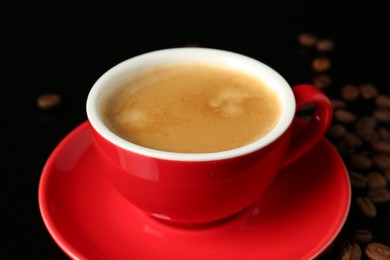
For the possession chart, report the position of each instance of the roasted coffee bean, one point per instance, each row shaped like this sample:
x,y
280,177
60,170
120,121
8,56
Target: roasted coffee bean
x,y
384,134
336,131
351,140
49,101
360,132
366,206
345,116
379,196
321,64
377,251
359,162
376,180
367,122
387,175
345,251
358,180
383,101
307,39
362,236
370,136
356,252
345,151
366,128
382,115
325,45
381,146
350,251
322,80
368,91
381,161
338,103
350,92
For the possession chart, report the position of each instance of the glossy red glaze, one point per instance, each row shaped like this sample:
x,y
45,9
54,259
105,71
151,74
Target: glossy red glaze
x,y
190,192
304,139
193,192
298,217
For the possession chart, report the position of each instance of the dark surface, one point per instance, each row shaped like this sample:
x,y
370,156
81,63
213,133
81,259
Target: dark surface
x,y
59,54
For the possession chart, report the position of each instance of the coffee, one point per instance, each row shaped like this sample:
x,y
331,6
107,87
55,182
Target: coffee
x,y
191,108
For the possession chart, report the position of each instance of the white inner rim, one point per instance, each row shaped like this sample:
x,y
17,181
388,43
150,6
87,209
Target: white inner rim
x,y
233,60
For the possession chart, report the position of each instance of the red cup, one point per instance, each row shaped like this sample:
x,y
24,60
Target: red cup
x,y
185,188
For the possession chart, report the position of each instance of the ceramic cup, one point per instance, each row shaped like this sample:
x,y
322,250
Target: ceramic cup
x,y
195,188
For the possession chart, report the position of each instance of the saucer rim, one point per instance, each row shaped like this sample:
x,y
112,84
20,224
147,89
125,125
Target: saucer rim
x,y
74,253
45,173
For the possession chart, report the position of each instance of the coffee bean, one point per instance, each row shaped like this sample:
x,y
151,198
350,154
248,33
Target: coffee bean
x,y
345,151
382,115
336,131
379,196
367,121
371,137
48,101
356,252
362,236
321,64
383,101
359,162
377,251
322,81
366,206
350,92
349,251
384,134
307,39
358,180
368,91
365,128
381,146
361,134
325,45
381,161
338,103
345,251
376,180
345,116
387,175
351,140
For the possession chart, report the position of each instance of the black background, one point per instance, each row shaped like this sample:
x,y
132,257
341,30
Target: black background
x,y
64,49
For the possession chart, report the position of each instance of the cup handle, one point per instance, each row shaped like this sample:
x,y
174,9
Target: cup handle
x,y
302,141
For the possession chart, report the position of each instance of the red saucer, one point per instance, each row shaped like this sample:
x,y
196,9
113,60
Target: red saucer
x,y
300,215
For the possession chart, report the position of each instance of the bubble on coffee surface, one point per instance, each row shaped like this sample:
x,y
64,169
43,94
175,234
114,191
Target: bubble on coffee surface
x,y
133,117
229,102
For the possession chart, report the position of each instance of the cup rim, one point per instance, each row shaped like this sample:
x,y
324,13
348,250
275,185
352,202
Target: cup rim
x,y
273,78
